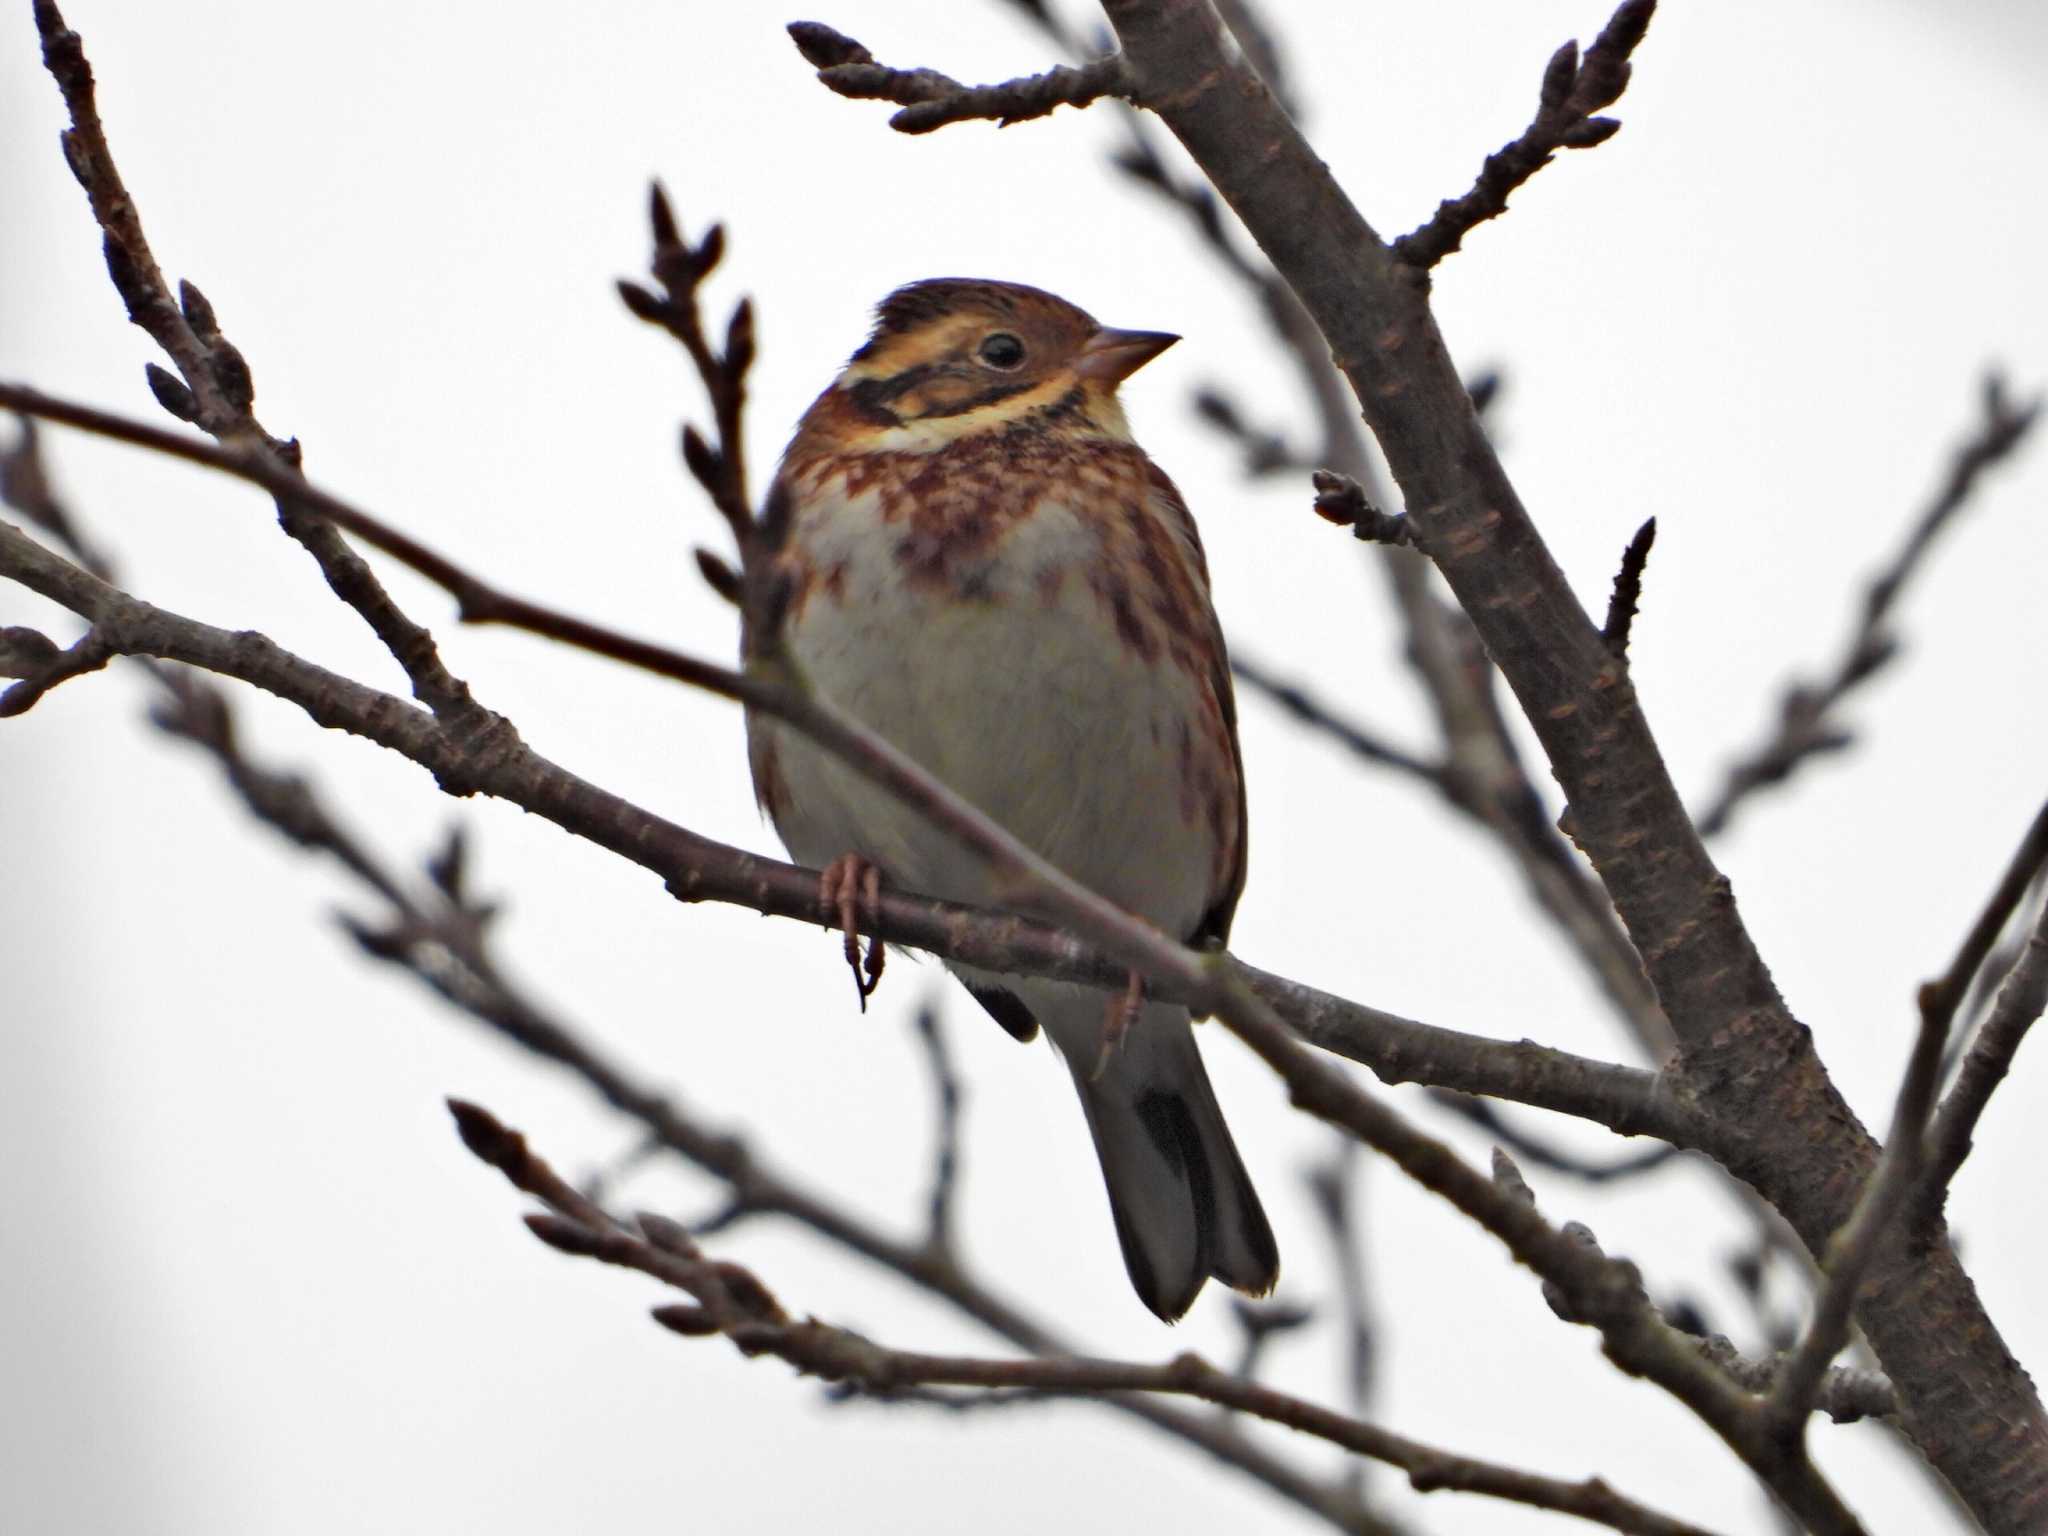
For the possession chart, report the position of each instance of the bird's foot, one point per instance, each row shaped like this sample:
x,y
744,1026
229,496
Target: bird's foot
x,y
851,887
1116,1023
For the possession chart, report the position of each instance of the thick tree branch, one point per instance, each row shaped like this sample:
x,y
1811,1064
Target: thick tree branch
x,y
733,1302
1483,774
1745,1057
1851,1250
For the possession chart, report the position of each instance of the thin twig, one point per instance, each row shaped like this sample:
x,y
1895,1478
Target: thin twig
x,y
2019,1004
1312,712
730,1300
720,467
1260,1322
1573,90
1342,500
2026,865
214,388
1482,1114
1846,1394
1806,727
946,1095
1261,451
932,100
1334,1186
88,654
1628,588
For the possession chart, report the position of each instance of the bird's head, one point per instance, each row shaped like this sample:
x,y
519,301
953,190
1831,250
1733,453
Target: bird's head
x,y
956,357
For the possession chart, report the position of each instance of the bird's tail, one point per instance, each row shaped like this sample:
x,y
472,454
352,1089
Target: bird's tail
x,y
1184,1206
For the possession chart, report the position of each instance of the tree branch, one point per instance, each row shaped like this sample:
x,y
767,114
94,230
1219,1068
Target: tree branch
x,y
214,388
1747,1060
1573,90
680,268
1806,726
1628,589
932,100
733,1302
697,868
2019,1004
1305,708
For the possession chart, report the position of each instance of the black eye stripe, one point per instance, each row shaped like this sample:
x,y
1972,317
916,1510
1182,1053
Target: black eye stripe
x,y
1001,350
986,397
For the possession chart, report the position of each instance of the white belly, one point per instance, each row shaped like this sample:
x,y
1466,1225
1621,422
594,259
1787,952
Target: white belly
x,y
1019,693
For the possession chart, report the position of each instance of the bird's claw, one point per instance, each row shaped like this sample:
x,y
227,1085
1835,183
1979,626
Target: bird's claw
x,y
1116,1023
851,887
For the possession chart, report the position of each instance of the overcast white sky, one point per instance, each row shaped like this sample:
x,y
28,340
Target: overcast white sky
x,y
251,1283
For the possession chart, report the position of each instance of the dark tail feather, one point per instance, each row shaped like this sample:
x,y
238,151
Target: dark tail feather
x,y
1184,1206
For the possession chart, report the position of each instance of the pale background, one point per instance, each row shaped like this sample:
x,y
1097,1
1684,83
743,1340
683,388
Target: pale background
x,y
249,1282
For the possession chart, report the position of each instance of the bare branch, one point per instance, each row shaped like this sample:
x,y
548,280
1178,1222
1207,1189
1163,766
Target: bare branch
x,y
1261,451
1845,1394
1305,708
1342,500
730,1300
932,100
698,868
25,486
1542,1155
1628,588
1334,1185
90,653
2019,1004
1261,1322
1481,759
1205,979
1806,1151
1908,1147
1592,1289
25,652
946,1154
1573,90
1850,1251
214,388
2025,867
721,468
1806,726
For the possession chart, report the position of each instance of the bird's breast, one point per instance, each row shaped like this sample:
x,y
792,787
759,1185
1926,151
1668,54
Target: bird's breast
x,y
1041,643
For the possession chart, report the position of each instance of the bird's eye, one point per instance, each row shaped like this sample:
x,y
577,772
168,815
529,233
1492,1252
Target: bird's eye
x,y
1002,350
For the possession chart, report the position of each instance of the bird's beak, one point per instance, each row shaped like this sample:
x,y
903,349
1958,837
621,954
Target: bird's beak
x,y
1113,356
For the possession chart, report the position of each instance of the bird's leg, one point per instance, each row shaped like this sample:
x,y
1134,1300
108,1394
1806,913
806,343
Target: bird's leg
x,y
1116,1023
851,886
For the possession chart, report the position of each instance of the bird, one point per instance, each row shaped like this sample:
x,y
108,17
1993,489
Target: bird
x,y
965,549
